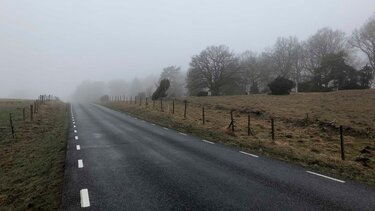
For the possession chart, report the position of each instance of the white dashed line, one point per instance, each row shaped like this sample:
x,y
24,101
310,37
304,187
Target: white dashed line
x,y
153,124
78,147
246,153
165,128
327,177
74,122
75,131
74,126
182,134
85,201
80,163
76,137
208,142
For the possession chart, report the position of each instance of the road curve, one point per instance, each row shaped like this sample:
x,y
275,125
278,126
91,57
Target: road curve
x,y
117,162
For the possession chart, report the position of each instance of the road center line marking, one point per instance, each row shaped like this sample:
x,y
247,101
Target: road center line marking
x,y
74,122
246,153
76,137
78,147
75,131
80,163
327,177
85,201
182,133
165,128
208,141
74,126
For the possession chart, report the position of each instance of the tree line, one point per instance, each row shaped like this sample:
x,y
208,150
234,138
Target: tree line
x,y
326,61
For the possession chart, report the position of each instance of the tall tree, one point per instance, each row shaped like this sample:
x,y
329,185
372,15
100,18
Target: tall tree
x,y
364,39
324,42
214,68
334,72
176,79
287,57
249,72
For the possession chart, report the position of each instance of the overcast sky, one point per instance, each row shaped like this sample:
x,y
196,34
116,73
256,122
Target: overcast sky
x,y
51,46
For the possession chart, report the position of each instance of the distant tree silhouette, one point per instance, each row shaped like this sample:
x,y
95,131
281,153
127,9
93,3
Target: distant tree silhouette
x,y
161,91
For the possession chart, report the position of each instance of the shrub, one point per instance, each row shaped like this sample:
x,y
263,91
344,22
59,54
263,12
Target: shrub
x,y
281,86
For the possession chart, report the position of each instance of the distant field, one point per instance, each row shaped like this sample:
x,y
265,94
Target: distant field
x,y
32,163
306,126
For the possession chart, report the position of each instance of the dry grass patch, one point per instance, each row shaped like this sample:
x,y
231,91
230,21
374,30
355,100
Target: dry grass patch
x,y
312,141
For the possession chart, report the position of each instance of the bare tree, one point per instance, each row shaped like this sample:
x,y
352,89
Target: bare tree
x,y
364,39
250,72
214,68
288,58
323,43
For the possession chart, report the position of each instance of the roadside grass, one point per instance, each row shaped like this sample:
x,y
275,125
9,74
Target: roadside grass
x,y
313,142
32,163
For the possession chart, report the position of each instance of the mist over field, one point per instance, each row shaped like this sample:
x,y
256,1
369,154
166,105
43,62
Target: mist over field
x,y
121,47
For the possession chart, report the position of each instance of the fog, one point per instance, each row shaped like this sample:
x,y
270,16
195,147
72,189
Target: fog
x,y
57,46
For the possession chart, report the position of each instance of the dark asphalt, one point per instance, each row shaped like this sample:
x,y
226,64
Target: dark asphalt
x,y
130,164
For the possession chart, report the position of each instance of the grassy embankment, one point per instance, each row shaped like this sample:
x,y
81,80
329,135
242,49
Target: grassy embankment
x,y
32,163
306,127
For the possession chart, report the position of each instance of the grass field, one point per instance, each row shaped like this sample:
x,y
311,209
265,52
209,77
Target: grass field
x,y
32,163
307,127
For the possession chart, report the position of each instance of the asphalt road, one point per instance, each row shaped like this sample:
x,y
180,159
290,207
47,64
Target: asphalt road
x,y
124,163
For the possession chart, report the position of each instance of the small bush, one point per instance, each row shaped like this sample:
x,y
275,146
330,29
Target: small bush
x,y
281,86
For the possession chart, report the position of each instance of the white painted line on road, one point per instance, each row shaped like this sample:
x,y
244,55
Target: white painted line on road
x,y
78,147
143,120
85,201
327,177
183,134
80,163
74,122
153,124
75,131
76,137
74,126
208,142
246,153
165,128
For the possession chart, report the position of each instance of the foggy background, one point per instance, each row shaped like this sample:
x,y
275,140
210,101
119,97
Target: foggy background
x,y
53,46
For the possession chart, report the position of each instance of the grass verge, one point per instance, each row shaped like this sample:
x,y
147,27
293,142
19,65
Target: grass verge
x,y
32,163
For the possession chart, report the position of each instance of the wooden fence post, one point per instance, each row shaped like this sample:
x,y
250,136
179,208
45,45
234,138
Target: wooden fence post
x,y
232,120
146,102
342,143
272,129
185,101
203,117
11,124
173,106
140,101
161,104
31,112
248,125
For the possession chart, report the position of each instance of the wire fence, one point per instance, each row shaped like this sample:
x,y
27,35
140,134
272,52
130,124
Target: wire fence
x,y
14,114
251,126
